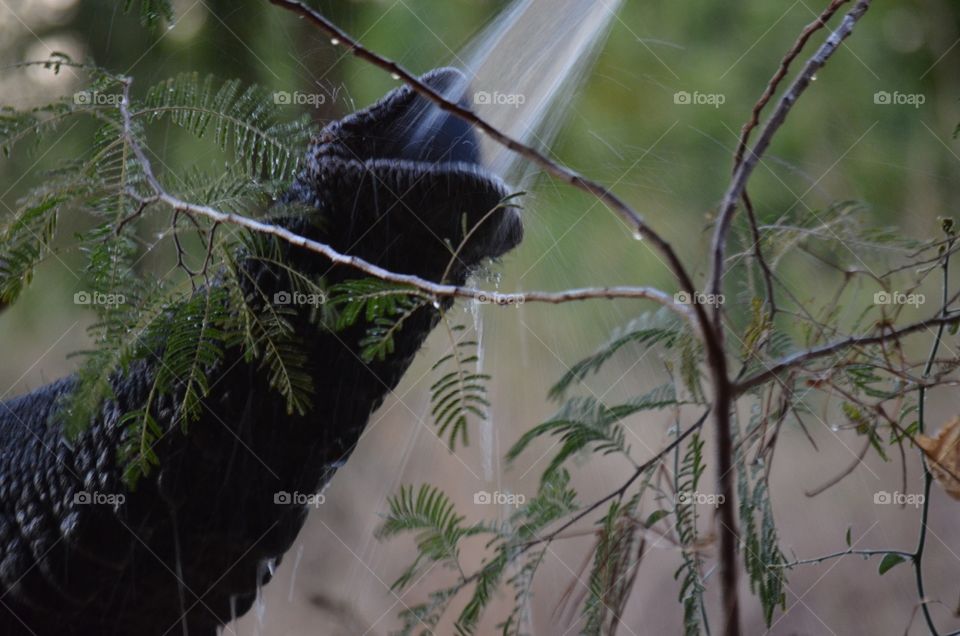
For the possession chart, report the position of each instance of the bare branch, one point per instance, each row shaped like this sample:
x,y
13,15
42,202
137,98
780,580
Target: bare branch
x,y
837,555
561,172
745,169
946,300
781,73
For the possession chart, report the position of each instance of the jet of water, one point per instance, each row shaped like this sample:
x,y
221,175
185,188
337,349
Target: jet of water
x,y
522,72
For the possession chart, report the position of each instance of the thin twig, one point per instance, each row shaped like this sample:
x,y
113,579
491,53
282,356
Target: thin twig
x,y
921,423
802,357
777,119
833,481
781,73
837,555
758,255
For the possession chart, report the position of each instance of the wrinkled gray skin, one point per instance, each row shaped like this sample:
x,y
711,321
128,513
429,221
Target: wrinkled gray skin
x,y
189,548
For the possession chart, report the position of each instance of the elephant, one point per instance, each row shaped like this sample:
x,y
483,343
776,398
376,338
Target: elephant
x,y
188,549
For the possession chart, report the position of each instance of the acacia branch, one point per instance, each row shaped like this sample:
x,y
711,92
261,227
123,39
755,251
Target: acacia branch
x,y
802,357
921,425
161,195
746,167
724,388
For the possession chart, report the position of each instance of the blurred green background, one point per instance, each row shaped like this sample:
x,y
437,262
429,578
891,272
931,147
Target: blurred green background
x,y
670,161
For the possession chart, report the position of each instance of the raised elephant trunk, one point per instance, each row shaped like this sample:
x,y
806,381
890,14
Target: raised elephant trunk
x,y
81,553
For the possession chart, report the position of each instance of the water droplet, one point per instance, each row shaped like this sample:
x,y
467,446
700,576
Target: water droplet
x,y
637,235
335,41
394,76
813,78
436,304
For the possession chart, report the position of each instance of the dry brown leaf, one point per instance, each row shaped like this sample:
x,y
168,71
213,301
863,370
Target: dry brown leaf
x,y
944,453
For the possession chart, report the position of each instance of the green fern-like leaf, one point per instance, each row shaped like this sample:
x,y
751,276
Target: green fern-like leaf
x,y
614,569
193,347
554,500
263,329
384,307
25,241
488,579
460,393
690,572
586,423
426,616
438,528
762,556
660,328
136,451
236,118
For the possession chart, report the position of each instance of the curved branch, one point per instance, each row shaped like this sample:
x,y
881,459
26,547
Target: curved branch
x,y
802,357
